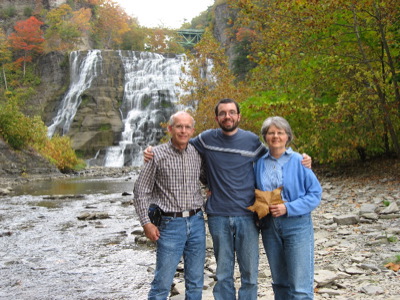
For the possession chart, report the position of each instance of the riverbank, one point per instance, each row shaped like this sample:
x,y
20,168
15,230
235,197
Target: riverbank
x,y
357,232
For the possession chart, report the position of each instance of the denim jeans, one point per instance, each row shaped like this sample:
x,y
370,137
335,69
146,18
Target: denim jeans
x,y
289,245
230,235
180,236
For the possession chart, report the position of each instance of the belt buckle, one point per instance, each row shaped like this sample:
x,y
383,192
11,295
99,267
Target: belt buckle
x,y
185,214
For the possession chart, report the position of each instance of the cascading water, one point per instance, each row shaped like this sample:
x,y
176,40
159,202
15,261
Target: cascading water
x,y
150,97
82,72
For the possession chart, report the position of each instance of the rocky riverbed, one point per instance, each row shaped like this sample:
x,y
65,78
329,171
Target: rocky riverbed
x,y
357,232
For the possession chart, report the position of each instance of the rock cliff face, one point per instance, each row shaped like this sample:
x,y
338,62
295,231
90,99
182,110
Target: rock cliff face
x,y
20,5
97,123
14,164
128,95
221,29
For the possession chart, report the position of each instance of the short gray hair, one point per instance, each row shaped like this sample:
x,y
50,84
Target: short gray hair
x,y
280,123
181,112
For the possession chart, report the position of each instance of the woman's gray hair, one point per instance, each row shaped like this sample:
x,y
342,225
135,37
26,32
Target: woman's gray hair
x,y
280,123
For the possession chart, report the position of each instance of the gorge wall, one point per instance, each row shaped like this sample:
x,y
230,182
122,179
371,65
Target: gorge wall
x,y
110,103
98,123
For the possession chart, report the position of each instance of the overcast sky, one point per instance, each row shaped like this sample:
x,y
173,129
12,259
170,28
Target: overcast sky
x,y
169,13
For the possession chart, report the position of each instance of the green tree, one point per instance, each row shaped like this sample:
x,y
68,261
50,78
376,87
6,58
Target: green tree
x,y
134,39
334,61
5,56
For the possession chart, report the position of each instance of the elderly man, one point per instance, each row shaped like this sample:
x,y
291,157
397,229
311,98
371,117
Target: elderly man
x,y
171,181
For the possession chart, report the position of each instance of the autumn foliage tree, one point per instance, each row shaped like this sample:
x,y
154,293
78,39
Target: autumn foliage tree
x,y
162,40
208,80
27,40
331,68
110,24
66,27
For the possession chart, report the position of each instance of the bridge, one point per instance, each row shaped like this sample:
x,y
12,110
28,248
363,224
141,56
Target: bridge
x,y
190,37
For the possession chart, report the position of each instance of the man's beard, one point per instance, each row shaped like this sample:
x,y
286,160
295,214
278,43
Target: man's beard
x,y
229,129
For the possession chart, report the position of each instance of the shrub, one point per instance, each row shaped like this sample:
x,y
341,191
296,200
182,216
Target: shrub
x,y
59,151
28,11
14,126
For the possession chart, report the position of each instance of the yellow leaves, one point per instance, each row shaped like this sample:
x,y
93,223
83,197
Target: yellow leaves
x,y
111,24
220,83
58,15
66,27
59,151
264,199
82,19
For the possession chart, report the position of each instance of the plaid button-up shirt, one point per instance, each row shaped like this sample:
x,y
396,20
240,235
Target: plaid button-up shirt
x,y
170,180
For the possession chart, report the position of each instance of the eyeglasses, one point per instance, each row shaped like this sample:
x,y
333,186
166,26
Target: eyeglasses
x,y
223,114
181,127
279,133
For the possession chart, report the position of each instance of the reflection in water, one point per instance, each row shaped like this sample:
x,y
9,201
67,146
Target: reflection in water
x,y
48,253
75,186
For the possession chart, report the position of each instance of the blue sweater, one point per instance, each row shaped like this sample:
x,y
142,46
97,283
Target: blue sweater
x,y
229,168
301,188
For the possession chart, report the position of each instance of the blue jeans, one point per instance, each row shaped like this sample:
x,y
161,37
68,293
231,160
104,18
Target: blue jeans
x,y
230,235
289,245
180,236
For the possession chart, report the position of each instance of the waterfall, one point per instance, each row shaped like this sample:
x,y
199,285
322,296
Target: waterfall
x,y
82,73
150,97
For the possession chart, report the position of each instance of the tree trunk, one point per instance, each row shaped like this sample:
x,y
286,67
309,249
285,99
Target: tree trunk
x,y
5,78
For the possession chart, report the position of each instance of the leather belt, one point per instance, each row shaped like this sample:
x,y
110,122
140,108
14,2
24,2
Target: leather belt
x,y
184,214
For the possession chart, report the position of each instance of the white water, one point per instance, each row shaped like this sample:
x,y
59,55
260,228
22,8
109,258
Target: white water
x,y
150,97
82,73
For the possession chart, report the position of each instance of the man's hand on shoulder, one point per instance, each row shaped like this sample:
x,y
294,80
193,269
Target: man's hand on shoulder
x,y
148,154
306,161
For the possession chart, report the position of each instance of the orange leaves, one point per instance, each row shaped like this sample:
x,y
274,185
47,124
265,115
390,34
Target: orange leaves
x,y
245,34
392,266
28,36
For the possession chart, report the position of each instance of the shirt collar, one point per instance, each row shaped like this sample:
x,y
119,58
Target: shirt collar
x,y
176,149
289,151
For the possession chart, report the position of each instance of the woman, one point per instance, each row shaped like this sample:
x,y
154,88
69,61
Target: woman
x,y
288,234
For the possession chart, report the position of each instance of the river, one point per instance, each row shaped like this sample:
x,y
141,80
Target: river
x,y
46,252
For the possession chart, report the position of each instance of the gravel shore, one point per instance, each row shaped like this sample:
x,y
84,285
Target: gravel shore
x,y
357,232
